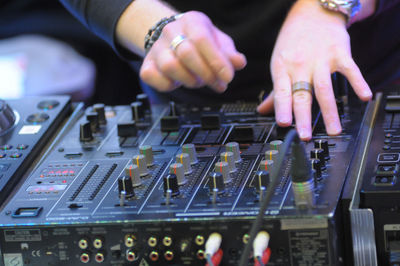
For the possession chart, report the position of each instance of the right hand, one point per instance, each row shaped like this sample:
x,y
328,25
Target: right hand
x,y
206,57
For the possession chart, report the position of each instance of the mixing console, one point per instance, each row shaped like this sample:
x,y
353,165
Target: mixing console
x,y
177,184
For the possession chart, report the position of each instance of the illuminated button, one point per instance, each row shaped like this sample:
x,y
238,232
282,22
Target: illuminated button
x,y
388,169
6,147
16,155
22,146
384,180
3,155
388,158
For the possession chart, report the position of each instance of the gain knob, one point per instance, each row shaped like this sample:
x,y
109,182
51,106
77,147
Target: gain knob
x,y
184,159
275,144
140,161
7,117
223,169
234,147
229,158
191,150
125,186
271,155
266,165
147,151
133,172
261,180
171,185
178,170
216,182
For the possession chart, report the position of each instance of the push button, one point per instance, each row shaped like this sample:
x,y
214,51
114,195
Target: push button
x,y
387,169
384,180
388,158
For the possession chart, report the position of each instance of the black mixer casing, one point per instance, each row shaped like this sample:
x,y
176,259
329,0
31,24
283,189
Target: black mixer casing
x,y
68,211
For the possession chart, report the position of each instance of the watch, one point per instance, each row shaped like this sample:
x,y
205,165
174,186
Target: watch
x,y
347,7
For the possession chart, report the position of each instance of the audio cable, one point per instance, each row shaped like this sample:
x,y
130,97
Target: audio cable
x,y
285,147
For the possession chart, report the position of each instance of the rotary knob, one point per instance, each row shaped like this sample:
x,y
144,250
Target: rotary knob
x,y
234,147
7,117
191,150
178,170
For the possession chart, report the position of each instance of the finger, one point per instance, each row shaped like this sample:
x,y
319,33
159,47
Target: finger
x,y
150,74
353,74
267,106
326,100
282,99
171,66
203,38
302,101
238,60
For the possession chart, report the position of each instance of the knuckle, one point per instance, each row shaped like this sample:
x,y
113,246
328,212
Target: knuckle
x,y
199,37
169,66
302,97
345,65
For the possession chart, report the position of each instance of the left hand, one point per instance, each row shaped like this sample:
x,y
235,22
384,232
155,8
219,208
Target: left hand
x,y
312,44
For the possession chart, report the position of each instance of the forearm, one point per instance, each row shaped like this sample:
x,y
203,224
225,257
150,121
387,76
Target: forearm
x,y
137,19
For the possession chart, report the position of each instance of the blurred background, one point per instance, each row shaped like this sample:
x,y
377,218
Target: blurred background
x,y
45,50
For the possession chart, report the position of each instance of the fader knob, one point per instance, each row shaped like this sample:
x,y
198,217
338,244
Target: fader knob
x,y
234,147
223,169
191,150
7,117
178,170
318,154
99,108
133,172
266,165
147,151
125,185
322,144
144,100
275,144
261,179
85,132
229,158
171,183
127,129
140,161
137,111
184,159
216,181
271,155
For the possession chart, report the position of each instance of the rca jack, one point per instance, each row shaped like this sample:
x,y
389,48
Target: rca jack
x,y
200,254
167,241
83,243
168,255
245,238
99,257
154,255
199,240
130,241
98,243
84,258
152,242
130,255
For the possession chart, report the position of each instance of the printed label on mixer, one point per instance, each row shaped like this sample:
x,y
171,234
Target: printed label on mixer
x,y
307,223
22,235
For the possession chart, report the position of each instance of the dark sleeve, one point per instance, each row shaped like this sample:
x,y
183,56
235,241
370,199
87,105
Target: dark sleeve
x,y
383,5
99,16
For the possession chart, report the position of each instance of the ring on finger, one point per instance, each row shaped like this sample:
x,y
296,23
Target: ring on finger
x,y
177,41
302,86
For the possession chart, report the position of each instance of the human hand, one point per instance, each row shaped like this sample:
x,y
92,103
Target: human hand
x,y
312,44
206,56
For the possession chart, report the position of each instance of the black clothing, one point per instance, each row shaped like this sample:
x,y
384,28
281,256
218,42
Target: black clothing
x,y
254,26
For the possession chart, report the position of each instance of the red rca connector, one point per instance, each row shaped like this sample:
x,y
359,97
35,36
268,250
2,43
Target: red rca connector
x,y
265,258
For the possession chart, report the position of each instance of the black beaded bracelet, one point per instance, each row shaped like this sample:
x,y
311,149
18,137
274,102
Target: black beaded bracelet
x,y
155,32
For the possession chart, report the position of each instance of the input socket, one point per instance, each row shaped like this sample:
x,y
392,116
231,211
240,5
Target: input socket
x,y
152,241
130,241
98,242
130,255
83,243
167,241
84,258
199,240
200,254
154,255
99,257
168,255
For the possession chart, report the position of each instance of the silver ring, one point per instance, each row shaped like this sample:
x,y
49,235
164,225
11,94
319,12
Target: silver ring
x,y
302,86
176,41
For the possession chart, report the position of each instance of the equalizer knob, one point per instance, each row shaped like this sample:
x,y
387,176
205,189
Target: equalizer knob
x,y
191,150
93,118
324,145
7,117
147,151
171,184
184,159
99,108
125,186
216,181
223,169
229,158
133,172
318,154
234,147
140,161
261,179
266,165
271,155
275,144
137,111
316,166
178,170
85,132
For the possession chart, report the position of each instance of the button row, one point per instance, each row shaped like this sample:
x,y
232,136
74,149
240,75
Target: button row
x,y
7,147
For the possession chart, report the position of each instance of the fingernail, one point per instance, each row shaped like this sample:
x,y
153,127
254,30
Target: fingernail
x,y
304,134
367,94
220,86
